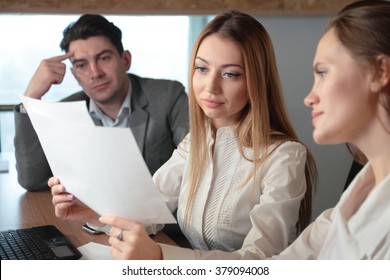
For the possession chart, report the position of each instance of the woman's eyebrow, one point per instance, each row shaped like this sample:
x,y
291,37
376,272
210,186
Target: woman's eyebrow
x,y
223,65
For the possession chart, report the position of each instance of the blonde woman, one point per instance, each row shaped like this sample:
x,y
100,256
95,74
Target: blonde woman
x,y
241,180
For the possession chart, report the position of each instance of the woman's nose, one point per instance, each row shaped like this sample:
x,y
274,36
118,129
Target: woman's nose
x,y
311,99
213,84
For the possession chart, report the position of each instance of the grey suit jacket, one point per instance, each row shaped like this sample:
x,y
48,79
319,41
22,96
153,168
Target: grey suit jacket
x,y
159,121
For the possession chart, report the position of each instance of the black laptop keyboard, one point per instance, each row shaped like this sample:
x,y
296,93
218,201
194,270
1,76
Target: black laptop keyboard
x,y
23,244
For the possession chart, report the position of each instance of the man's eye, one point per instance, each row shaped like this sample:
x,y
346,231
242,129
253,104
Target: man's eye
x,y
79,66
104,58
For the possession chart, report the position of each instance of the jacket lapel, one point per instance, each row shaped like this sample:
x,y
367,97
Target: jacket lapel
x,y
139,116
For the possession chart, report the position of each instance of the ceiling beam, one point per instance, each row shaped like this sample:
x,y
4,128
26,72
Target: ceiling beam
x,y
173,7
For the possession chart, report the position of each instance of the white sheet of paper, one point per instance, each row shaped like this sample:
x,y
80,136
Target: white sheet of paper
x,y
101,166
95,251
75,111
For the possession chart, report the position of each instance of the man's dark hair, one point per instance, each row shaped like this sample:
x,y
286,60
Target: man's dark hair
x,y
90,25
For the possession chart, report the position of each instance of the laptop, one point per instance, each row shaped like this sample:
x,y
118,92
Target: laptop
x,y
36,243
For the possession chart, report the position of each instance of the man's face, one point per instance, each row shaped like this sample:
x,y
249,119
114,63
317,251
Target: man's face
x,y
100,69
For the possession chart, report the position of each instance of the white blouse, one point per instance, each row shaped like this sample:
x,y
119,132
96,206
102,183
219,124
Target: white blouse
x,y
253,221
357,228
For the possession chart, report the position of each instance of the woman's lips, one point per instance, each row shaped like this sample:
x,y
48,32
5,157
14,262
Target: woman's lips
x,y
211,103
315,116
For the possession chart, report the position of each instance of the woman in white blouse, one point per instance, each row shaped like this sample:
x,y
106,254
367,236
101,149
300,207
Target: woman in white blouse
x,y
351,104
241,180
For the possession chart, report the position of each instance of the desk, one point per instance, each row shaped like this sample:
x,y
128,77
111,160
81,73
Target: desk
x,y
19,209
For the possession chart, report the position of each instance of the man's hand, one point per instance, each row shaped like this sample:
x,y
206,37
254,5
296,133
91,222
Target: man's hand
x,y
50,72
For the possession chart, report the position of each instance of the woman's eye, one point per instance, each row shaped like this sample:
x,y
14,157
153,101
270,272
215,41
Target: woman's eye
x,y
200,69
231,75
321,73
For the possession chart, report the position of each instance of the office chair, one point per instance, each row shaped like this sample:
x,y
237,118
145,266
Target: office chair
x,y
355,168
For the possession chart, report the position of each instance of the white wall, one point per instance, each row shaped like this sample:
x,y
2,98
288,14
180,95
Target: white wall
x,y
295,40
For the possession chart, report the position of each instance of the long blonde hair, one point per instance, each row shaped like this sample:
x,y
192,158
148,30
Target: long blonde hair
x,y
264,121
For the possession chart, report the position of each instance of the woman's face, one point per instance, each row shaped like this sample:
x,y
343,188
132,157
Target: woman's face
x,y
219,80
343,107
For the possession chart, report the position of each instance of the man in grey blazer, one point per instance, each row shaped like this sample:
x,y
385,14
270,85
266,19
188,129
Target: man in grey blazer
x,y
156,111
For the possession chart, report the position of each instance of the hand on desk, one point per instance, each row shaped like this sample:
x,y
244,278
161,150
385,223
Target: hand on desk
x,y
68,207
130,241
